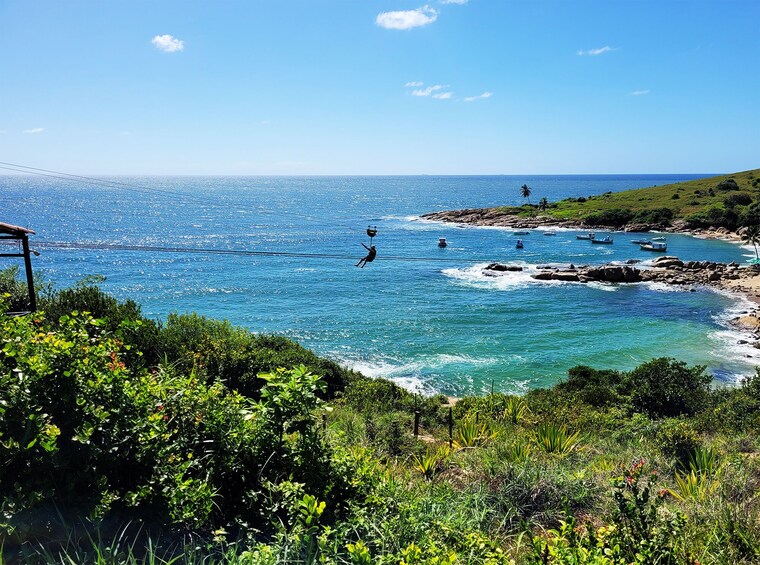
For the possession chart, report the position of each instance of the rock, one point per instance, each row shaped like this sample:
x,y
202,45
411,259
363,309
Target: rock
x,y
633,261
501,268
742,342
750,322
567,276
543,276
714,276
667,261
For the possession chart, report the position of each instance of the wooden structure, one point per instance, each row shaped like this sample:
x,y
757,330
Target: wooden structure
x,y
8,231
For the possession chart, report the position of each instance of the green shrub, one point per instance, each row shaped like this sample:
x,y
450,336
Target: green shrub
x,y
741,199
615,217
665,387
677,438
15,292
659,216
727,185
236,356
592,386
82,429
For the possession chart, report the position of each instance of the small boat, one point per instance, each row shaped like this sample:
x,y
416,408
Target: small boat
x,y
658,238
654,246
640,241
519,244
550,233
589,235
606,240
442,242
521,233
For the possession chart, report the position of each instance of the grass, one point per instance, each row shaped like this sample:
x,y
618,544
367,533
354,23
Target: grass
x,y
683,198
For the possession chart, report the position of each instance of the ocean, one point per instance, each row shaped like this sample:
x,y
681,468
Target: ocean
x,y
426,317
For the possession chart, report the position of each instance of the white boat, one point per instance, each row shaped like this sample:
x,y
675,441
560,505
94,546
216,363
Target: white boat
x,y
606,240
658,238
550,233
589,235
654,246
442,242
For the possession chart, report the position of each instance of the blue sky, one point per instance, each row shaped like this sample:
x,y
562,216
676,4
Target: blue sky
x,y
380,87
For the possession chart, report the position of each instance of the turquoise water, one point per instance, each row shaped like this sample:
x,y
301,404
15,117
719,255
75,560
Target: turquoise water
x,y
435,322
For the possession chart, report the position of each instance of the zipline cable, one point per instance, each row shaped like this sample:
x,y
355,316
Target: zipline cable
x,y
239,252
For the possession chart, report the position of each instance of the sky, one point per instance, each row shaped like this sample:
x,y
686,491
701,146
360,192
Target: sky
x,y
380,87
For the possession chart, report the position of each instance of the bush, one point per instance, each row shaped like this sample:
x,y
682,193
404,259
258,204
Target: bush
x,y
665,387
592,386
236,356
727,185
713,217
660,216
13,291
616,217
741,199
82,429
676,438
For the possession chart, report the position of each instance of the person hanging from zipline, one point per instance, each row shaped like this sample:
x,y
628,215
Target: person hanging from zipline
x,y
371,232
369,258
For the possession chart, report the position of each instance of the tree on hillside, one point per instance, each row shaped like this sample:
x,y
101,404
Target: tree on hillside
x,y
751,235
543,204
525,191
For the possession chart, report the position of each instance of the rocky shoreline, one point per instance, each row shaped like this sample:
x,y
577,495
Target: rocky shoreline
x,y
670,270
492,217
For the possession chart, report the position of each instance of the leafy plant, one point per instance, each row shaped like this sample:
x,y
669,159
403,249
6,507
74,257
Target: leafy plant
x,y
432,462
515,410
553,438
470,434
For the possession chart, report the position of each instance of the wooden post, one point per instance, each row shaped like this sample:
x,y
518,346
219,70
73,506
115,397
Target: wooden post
x,y
29,276
451,427
416,423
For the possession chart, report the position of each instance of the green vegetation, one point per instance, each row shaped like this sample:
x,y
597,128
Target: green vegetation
x,y
219,446
729,201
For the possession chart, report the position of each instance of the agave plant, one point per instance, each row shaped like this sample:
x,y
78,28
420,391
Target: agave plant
x,y
553,438
471,434
514,410
431,463
693,485
517,451
704,461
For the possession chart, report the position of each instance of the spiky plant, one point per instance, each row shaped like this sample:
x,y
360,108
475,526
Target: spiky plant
x,y
553,438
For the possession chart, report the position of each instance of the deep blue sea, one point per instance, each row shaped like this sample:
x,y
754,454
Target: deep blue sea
x,y
432,322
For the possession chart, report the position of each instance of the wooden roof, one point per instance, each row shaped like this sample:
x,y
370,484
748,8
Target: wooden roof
x,y
13,230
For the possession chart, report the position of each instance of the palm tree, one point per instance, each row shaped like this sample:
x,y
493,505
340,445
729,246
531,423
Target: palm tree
x,y
752,235
543,204
525,191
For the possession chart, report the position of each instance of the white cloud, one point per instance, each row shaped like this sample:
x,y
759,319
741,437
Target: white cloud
x,y
413,84
407,19
453,1
34,130
443,95
639,93
428,91
479,97
594,52
168,43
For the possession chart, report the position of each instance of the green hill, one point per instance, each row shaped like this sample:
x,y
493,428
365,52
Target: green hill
x,y
729,201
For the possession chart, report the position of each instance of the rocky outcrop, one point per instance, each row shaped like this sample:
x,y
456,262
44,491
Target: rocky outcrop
x,y
666,269
502,268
